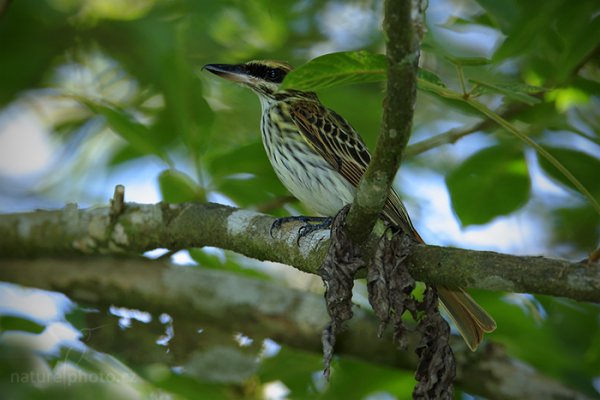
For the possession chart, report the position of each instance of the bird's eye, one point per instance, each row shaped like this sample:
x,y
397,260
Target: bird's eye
x,y
272,74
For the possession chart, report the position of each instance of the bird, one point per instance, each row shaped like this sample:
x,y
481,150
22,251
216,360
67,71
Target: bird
x,y
320,158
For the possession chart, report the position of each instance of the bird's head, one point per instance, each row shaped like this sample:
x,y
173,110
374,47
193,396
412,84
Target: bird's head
x,y
263,76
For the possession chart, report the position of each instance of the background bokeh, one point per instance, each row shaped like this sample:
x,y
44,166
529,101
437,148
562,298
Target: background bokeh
x,y
100,92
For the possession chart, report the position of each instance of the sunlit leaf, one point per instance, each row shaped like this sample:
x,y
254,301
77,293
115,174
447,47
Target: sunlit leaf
x,y
490,183
177,187
337,69
568,97
345,68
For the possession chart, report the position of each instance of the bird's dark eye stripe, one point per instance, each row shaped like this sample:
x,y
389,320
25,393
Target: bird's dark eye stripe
x,y
274,75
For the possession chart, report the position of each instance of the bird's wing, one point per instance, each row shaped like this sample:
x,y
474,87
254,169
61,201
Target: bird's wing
x,y
332,137
338,143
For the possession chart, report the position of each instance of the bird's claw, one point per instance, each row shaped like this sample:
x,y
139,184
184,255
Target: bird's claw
x,y
275,225
307,228
284,220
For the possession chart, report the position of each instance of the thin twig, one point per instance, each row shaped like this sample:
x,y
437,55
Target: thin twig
x,y
454,134
117,204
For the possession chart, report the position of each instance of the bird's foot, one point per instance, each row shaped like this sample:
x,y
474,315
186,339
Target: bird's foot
x,y
323,223
311,224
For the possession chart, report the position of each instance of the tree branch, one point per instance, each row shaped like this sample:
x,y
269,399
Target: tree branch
x,y
292,317
402,27
142,227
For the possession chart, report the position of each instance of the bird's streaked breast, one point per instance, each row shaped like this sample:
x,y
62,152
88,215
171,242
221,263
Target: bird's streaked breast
x,y
306,174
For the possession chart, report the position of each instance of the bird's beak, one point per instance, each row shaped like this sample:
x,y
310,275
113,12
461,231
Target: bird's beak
x,y
232,72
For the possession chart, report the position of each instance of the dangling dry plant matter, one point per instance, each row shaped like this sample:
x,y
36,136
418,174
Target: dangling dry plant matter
x,y
437,368
390,288
342,262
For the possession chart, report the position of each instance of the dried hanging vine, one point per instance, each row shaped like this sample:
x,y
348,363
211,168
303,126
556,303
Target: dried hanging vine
x,y
390,289
342,262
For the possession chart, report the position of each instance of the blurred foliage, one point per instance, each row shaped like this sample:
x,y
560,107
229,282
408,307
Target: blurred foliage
x,y
486,175
119,85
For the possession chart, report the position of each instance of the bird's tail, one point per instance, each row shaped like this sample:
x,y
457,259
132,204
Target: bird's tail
x,y
470,319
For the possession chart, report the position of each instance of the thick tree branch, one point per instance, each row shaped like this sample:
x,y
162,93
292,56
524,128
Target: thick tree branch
x,y
402,27
210,297
145,227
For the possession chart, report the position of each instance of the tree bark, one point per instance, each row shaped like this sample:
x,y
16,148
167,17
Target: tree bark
x,y
403,30
261,309
140,228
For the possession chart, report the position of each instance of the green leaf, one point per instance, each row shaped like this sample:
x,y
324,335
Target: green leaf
x,y
540,150
355,379
182,385
77,317
230,263
468,61
138,135
582,165
249,158
12,323
436,87
125,154
581,46
430,77
295,369
28,54
490,183
461,25
177,187
345,68
337,69
252,191
186,106
513,90
505,13
70,126
529,27
577,226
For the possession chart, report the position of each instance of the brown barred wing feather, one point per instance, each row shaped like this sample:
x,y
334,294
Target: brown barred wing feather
x,y
336,141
